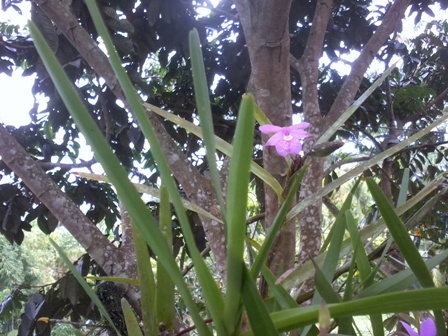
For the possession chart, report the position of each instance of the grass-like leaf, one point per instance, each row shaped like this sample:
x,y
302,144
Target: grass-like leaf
x,y
362,167
215,302
402,280
278,222
260,321
294,278
205,113
89,291
356,104
126,192
221,145
404,242
147,283
416,300
237,191
165,286
131,321
154,192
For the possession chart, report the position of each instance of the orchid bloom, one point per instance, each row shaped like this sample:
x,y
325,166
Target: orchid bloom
x,y
427,328
286,139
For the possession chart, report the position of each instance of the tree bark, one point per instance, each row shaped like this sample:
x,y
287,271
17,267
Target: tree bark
x,y
197,187
265,25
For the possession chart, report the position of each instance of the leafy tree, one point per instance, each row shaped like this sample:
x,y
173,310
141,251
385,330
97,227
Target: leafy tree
x,y
273,49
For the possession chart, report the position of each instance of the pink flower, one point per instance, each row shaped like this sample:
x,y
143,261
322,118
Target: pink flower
x,y
286,139
427,328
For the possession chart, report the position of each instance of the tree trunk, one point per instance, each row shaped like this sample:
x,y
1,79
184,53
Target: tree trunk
x,y
265,25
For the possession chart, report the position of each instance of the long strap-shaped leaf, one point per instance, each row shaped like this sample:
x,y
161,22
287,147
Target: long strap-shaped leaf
x,y
362,167
416,300
127,193
221,145
404,242
293,278
215,302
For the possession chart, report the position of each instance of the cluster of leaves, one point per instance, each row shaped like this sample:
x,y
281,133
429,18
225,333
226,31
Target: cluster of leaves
x,y
165,26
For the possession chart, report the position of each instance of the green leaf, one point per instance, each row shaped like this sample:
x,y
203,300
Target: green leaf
x,y
205,113
126,192
154,192
260,321
165,286
356,104
294,278
362,167
147,283
89,291
402,280
221,145
404,242
237,195
278,221
131,321
415,300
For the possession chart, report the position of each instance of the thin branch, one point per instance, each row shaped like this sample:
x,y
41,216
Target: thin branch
x,y
187,330
416,115
351,85
344,162
66,166
191,265
198,189
368,135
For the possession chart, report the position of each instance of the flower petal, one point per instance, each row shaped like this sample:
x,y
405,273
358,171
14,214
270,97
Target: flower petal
x,y
274,139
282,148
300,134
295,146
409,329
301,125
266,129
428,328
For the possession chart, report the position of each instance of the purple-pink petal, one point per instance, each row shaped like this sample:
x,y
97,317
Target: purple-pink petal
x,y
301,125
428,328
266,129
409,329
299,133
273,140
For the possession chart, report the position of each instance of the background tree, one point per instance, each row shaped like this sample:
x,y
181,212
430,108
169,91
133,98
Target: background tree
x,y
273,49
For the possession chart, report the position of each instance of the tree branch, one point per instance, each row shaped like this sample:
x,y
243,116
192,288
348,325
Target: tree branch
x,y
351,85
417,115
197,187
62,207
